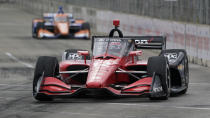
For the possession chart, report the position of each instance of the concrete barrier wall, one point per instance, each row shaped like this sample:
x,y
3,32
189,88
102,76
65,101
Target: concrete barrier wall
x,y
196,11
194,38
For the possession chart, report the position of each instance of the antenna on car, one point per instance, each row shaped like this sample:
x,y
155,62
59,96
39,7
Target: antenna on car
x,y
116,23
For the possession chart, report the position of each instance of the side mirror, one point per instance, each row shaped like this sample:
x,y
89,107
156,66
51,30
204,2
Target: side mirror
x,y
83,53
135,53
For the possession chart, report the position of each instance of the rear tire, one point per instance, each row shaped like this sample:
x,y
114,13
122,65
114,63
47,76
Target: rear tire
x,y
86,26
159,65
45,67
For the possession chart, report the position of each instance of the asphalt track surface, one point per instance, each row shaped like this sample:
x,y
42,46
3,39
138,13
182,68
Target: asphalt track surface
x,y
18,54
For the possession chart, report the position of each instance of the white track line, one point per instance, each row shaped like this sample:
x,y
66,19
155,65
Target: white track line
x,y
18,85
177,107
84,114
19,61
199,84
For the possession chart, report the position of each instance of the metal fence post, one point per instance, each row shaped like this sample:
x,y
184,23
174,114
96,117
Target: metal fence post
x,y
185,47
196,59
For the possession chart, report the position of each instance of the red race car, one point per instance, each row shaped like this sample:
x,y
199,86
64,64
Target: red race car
x,y
113,70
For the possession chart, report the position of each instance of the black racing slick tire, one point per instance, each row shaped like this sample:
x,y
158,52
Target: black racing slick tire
x,y
181,59
40,25
45,67
159,65
86,26
34,34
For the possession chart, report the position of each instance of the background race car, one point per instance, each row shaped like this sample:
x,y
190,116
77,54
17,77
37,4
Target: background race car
x,y
114,70
60,25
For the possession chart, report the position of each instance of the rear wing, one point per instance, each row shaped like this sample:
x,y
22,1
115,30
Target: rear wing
x,y
51,15
48,15
149,42
142,42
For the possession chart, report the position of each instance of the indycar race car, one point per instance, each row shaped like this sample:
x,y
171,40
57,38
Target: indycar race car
x,y
60,24
113,70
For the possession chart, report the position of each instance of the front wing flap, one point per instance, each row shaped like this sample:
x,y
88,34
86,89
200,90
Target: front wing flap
x,y
57,88
43,33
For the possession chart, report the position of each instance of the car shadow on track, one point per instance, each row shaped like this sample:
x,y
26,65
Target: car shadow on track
x,y
99,100
108,100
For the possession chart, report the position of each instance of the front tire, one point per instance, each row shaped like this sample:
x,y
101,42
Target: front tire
x,y
45,67
40,25
181,58
159,65
34,34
